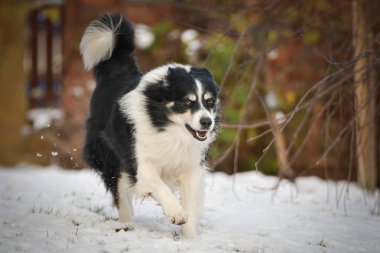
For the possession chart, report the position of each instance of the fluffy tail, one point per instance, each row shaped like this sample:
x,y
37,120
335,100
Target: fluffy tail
x,y
110,36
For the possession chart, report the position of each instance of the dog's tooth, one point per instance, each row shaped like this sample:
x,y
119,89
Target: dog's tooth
x,y
200,137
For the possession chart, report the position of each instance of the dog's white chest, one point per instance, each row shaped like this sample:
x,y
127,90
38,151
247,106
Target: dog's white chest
x,y
169,151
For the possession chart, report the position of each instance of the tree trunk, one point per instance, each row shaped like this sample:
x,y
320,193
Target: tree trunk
x,y
15,146
12,80
365,99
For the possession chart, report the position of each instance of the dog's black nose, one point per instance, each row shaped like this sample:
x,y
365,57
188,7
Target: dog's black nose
x,y
205,123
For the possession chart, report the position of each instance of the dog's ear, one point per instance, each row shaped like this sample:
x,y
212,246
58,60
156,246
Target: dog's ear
x,y
158,92
205,76
206,71
217,87
201,72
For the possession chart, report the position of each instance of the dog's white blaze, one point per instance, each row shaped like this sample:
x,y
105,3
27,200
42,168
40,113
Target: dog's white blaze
x,y
97,43
202,112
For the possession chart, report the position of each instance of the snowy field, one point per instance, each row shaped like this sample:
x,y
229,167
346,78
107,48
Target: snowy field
x,y
51,210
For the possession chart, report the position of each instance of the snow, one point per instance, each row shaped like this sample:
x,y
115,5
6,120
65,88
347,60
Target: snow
x,y
190,38
144,36
273,54
189,35
43,117
53,210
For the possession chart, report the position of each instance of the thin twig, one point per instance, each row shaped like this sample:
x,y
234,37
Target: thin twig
x,y
229,66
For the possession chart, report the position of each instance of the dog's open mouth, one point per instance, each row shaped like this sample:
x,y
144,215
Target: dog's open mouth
x,y
199,135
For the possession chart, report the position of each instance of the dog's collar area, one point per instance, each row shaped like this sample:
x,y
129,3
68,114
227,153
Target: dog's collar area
x,y
199,135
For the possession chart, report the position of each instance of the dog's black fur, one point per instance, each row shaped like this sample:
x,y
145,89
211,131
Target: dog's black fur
x,y
109,140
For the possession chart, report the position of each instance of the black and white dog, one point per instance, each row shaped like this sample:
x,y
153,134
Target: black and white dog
x,y
147,133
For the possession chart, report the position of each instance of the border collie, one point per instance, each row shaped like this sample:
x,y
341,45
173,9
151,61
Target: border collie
x,y
147,134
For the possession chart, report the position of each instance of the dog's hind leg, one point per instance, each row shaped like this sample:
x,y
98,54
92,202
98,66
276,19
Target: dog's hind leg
x,y
124,202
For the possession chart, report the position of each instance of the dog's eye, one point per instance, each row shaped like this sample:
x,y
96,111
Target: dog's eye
x,y
188,102
210,102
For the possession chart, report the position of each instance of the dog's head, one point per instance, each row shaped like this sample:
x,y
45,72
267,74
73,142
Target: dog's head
x,y
186,98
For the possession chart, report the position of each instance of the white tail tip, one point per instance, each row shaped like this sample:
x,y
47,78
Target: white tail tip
x,y
97,43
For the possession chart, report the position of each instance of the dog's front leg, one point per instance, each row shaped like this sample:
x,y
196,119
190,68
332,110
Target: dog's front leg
x,y
150,182
191,198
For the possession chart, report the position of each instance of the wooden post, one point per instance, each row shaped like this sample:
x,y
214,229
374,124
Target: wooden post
x,y
15,146
365,99
49,63
34,56
285,170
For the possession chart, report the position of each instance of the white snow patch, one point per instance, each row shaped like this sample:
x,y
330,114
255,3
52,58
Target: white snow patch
x,y
193,48
280,117
190,38
144,37
273,54
52,210
43,117
77,91
271,100
189,35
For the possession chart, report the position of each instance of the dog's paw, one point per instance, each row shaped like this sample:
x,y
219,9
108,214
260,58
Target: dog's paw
x,y
177,216
178,220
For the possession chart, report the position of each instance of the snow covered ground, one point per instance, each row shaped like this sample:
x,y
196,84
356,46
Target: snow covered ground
x,y
51,210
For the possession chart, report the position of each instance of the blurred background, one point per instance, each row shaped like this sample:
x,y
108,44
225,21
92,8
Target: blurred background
x,y
299,79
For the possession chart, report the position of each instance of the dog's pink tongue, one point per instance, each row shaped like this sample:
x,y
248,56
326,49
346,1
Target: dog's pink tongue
x,y
202,133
